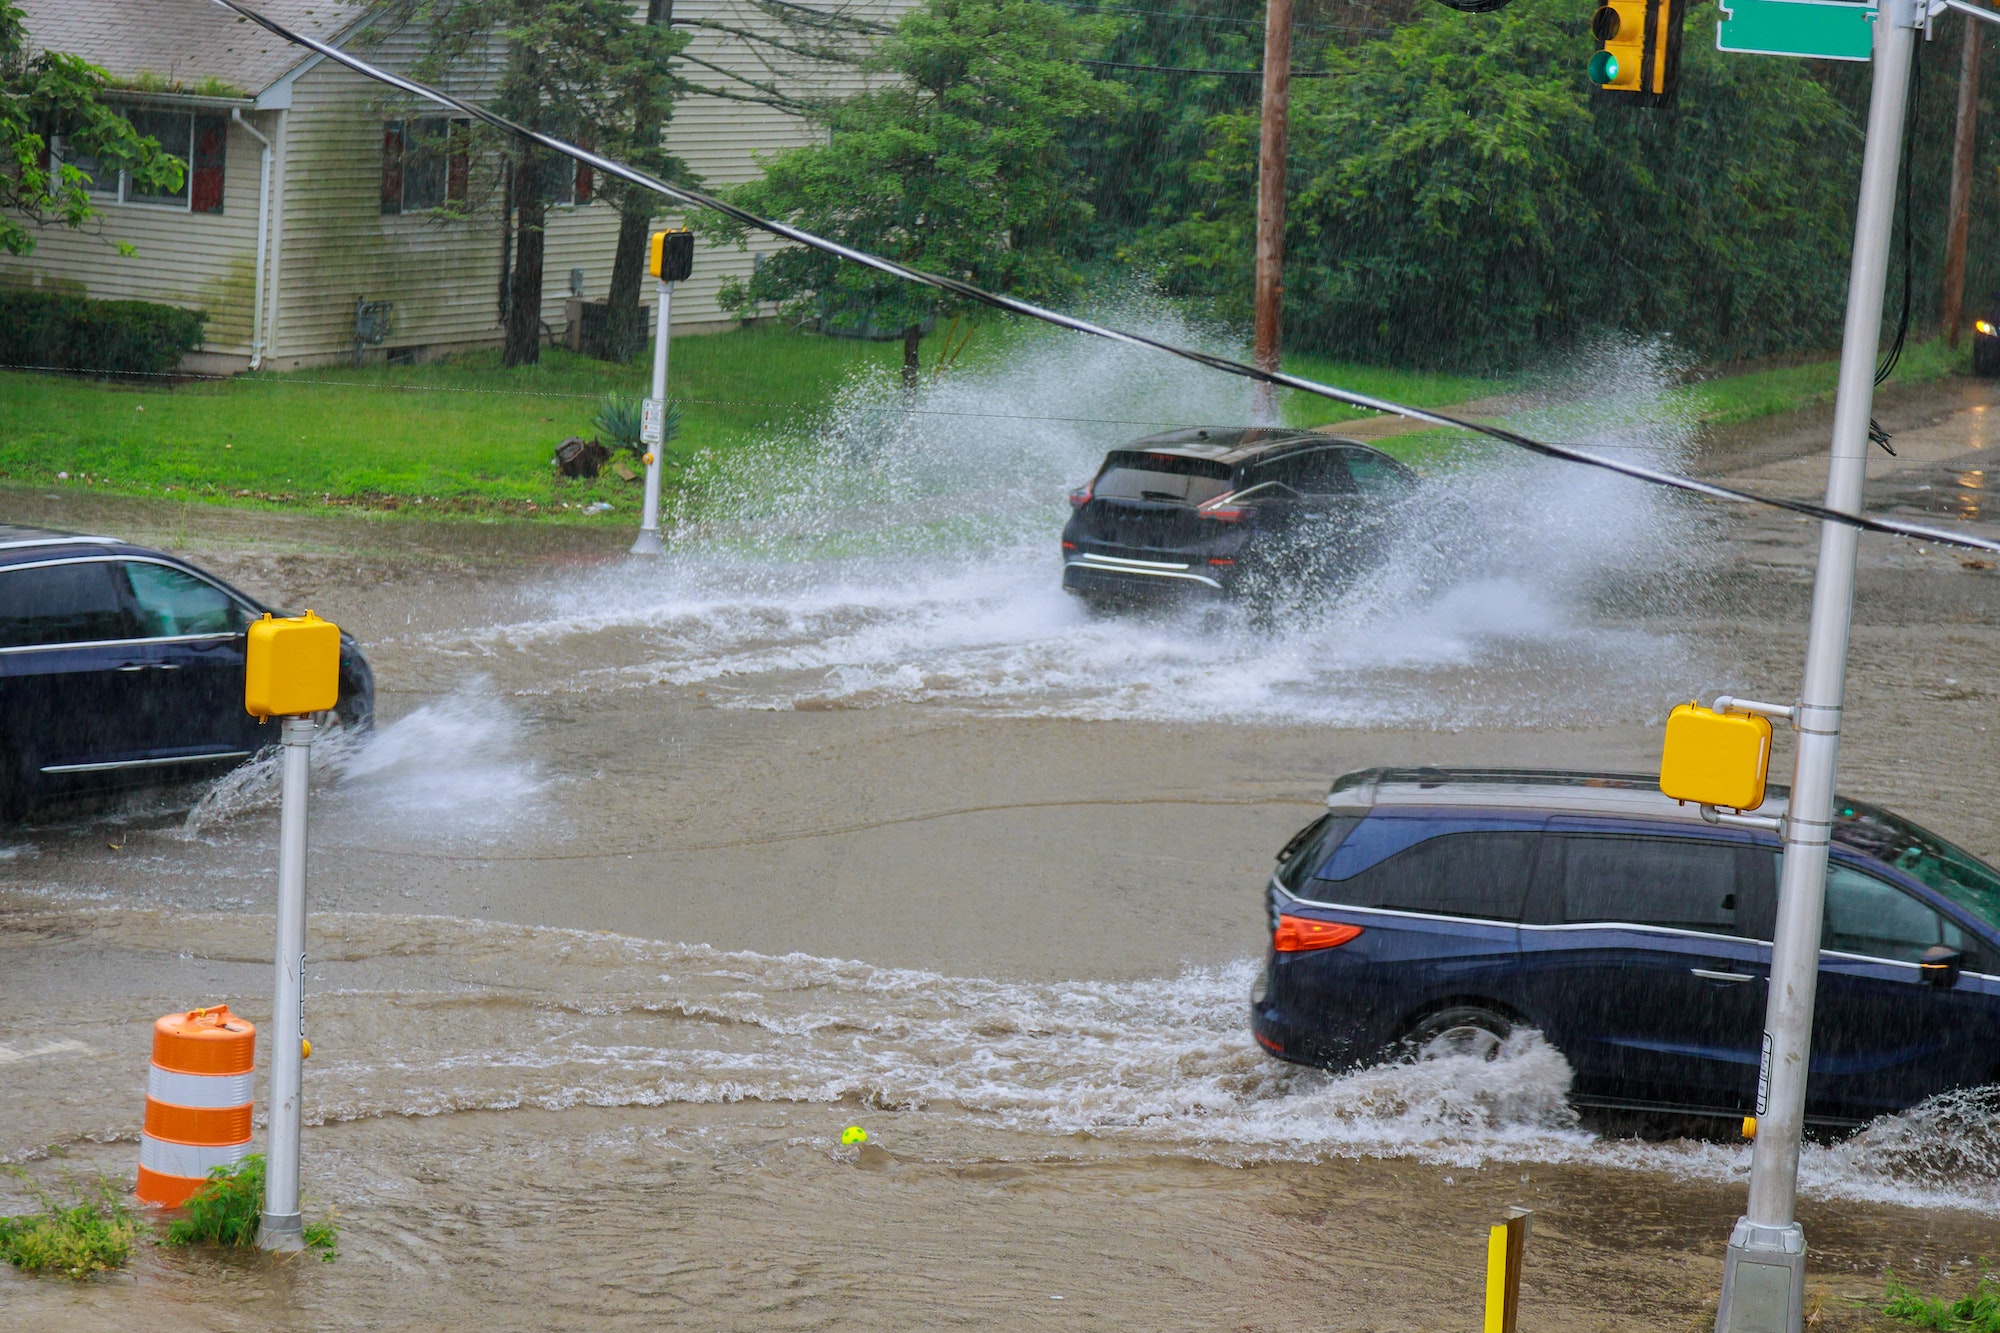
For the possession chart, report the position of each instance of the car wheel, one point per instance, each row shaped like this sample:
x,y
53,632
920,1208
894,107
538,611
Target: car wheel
x,y
1461,1030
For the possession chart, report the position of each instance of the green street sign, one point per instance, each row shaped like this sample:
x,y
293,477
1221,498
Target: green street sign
x,y
1821,29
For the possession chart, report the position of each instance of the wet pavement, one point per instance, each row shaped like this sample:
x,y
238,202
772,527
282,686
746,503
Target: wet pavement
x,y
656,876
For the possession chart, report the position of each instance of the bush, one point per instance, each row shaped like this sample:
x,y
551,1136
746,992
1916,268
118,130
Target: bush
x,y
229,1209
1976,1312
58,332
91,1234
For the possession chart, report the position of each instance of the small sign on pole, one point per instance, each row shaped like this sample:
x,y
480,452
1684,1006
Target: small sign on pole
x,y
1815,29
653,422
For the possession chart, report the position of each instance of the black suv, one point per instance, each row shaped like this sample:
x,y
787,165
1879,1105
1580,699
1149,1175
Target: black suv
x,y
121,666
1215,512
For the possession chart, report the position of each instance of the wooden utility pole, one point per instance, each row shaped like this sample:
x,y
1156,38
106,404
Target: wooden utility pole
x,y
1271,201
1961,180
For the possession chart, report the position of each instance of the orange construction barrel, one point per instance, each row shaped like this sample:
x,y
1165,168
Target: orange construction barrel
x,y
197,1102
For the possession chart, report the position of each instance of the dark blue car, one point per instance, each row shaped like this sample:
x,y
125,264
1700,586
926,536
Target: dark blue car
x,y
1436,910
121,666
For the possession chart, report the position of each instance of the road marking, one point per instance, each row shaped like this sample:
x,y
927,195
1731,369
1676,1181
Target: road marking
x,y
8,1055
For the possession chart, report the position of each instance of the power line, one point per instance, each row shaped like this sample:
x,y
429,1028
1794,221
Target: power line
x,y
1184,69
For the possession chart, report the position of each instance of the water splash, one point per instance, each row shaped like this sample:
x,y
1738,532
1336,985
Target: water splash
x,y
906,551
454,764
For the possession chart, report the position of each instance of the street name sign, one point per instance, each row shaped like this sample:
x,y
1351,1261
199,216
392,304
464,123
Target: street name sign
x,y
1817,29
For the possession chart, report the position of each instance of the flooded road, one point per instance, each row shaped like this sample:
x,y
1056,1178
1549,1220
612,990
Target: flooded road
x,y
656,876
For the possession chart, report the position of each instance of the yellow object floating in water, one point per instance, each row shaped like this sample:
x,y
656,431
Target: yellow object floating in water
x,y
853,1134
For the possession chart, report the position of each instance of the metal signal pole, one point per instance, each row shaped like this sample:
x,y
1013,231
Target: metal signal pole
x,y
1962,149
1271,202
1763,1282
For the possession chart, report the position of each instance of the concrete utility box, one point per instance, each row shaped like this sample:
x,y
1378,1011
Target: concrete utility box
x,y
1716,758
291,666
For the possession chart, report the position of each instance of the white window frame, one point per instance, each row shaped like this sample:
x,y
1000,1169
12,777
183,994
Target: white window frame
x,y
59,150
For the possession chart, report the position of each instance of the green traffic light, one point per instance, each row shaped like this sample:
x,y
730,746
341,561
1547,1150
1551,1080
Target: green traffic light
x,y
1603,68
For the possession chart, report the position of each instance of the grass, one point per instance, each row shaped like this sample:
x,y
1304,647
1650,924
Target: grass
x,y
91,1232
229,1208
465,437
1978,1311
1727,400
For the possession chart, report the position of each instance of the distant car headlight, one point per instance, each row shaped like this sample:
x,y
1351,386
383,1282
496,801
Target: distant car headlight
x,y
1981,326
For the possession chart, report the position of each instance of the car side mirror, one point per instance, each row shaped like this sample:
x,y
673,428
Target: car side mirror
x,y
1941,965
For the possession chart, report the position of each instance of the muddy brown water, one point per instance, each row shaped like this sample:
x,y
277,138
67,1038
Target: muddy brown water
x,y
655,879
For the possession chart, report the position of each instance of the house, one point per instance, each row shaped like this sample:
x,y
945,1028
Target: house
x,y
310,226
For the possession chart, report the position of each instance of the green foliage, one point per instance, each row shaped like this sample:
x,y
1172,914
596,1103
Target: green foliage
x,y
620,417
60,332
1976,1312
91,1233
962,164
50,93
229,1208
1456,198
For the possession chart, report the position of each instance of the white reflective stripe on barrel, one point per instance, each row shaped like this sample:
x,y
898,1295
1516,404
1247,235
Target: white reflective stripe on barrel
x,y
187,1159
209,1091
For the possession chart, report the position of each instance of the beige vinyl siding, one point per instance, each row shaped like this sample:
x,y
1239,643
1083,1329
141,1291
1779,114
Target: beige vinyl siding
x,y
442,275
205,261
720,139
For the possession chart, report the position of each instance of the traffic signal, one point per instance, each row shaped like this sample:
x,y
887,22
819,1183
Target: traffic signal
x,y
1638,55
672,256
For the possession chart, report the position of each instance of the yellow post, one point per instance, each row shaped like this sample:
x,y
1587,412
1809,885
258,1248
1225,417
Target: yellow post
x,y
1496,1279
1504,1246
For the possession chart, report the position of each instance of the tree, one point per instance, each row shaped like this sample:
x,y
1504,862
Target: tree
x,y
50,94
961,165
1458,199
648,92
569,70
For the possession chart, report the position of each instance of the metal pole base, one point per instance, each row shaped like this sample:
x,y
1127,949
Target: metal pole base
x,y
286,1235
1763,1280
648,543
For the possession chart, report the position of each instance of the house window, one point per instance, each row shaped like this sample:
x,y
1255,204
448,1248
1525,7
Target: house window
x,y
573,182
426,163
199,142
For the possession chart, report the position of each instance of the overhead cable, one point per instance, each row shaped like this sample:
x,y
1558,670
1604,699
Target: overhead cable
x,y
697,199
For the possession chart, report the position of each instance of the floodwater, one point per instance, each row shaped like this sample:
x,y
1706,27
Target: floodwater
x,y
658,875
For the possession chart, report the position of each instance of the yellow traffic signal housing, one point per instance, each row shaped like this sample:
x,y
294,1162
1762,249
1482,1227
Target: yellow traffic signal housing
x,y
1716,758
1638,55
291,666
672,255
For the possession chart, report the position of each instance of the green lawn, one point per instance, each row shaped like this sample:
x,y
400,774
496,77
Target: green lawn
x,y
456,434
466,436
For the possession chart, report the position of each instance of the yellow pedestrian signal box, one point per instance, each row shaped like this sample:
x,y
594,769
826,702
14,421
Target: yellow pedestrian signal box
x,y
672,255
291,666
1716,758
1638,56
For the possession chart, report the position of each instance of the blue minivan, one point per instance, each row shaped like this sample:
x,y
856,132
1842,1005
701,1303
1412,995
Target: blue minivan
x,y
1433,911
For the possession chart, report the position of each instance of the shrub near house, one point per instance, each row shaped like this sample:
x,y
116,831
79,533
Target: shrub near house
x,y
44,331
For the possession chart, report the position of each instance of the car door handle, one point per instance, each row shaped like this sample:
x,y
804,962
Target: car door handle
x,y
166,666
133,666
1707,974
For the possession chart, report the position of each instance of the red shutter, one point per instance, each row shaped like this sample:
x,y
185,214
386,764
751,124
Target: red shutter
x,y
392,167
211,153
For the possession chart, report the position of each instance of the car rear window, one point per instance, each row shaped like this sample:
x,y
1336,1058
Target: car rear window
x,y
1310,845
1484,873
1131,475
1682,883
52,604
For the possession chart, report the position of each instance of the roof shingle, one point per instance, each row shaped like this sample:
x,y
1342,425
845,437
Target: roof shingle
x,y
184,41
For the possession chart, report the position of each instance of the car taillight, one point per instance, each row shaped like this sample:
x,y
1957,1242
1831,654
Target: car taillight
x,y
1069,546
1223,510
1220,562
1079,497
1297,934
